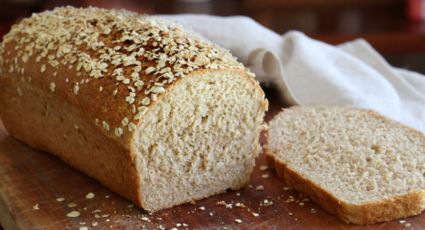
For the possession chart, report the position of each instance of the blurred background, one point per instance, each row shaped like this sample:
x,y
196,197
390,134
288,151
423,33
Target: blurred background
x,y
396,28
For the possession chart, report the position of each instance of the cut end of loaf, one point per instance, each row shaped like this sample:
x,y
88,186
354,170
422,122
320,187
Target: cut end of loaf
x,y
200,139
357,164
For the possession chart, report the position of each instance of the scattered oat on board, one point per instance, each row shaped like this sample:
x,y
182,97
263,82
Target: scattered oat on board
x,y
265,175
72,205
263,167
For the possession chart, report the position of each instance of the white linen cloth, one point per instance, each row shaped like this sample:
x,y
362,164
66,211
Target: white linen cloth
x,y
310,72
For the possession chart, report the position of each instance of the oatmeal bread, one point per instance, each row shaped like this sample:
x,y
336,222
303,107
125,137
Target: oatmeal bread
x,y
149,109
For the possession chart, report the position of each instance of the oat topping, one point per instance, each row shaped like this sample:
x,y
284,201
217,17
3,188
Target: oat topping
x,y
72,205
118,132
52,87
73,214
90,195
259,188
140,56
105,125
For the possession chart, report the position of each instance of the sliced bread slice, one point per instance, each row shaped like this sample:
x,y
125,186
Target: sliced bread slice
x,y
354,163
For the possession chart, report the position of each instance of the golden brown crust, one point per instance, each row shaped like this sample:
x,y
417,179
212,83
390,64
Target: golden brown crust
x,y
412,203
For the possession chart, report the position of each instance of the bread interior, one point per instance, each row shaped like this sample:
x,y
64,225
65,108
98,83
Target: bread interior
x,y
200,139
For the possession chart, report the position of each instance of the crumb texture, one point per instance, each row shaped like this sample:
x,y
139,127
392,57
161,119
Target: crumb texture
x,y
356,155
200,140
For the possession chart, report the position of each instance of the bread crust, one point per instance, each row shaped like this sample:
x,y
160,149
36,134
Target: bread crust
x,y
401,206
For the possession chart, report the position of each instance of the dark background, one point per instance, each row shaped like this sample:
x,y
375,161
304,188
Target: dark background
x,y
387,24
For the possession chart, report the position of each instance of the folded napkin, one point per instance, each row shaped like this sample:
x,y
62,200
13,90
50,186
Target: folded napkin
x,y
310,72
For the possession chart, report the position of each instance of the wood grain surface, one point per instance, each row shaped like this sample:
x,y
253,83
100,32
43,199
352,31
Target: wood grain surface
x,y
30,178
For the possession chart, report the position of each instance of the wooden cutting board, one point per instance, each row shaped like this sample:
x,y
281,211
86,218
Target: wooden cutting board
x,y
37,190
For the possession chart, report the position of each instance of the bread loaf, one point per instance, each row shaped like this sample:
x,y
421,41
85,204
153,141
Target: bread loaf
x,y
356,164
146,107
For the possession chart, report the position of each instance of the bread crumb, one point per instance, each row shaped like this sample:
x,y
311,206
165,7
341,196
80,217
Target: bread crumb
x,y
286,188
94,224
36,207
84,228
259,188
60,199
312,211
240,205
90,195
290,213
255,214
238,221
73,214
266,203
202,208
221,203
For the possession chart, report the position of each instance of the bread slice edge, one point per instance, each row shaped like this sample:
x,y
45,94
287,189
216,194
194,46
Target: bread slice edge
x,y
409,204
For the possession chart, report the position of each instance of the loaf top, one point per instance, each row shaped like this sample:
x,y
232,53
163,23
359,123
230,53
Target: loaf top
x,y
113,64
